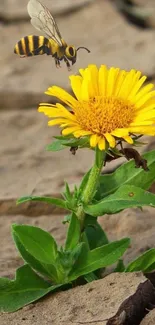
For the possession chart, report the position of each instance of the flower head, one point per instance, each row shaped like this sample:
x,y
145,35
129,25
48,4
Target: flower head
x,y
109,104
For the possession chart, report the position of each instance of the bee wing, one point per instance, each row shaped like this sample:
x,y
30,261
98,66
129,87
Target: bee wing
x,y
42,20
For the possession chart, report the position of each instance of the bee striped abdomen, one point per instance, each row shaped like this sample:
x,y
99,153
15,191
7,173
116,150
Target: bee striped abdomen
x,y
29,44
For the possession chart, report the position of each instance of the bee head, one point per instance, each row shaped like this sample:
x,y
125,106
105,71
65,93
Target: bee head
x,y
70,53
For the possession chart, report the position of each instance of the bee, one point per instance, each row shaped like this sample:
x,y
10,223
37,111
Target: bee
x,y
54,45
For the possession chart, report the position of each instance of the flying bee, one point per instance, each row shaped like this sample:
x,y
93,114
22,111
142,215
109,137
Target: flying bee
x,y
54,45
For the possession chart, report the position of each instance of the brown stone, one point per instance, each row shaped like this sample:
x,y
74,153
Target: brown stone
x,y
17,10
149,318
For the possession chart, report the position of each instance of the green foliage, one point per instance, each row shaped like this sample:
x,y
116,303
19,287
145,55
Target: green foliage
x,y
56,145
145,262
127,196
83,183
120,266
127,174
67,141
86,250
38,249
50,200
96,236
26,288
74,233
45,269
103,256
37,242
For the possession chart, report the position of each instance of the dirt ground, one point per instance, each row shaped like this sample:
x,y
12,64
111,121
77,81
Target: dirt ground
x,y
27,168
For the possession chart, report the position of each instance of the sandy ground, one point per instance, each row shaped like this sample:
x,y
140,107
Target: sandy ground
x,y
27,168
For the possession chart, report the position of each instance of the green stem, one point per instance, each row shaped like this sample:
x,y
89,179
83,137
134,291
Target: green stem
x,y
92,183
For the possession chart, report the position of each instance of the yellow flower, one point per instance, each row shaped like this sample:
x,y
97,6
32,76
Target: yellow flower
x,y
109,104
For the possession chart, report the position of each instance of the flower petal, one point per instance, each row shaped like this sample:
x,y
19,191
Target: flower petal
x,y
93,85
103,74
120,133
94,140
101,144
84,93
110,139
76,83
146,130
128,139
56,121
70,130
81,133
62,95
137,87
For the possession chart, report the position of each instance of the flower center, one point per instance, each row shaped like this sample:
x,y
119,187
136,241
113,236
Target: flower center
x,y
104,115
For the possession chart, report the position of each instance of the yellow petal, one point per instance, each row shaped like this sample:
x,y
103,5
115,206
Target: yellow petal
x,y
119,81
142,92
103,74
145,116
76,82
84,94
147,130
144,99
56,121
137,87
94,140
101,144
145,109
128,139
62,95
93,87
110,139
81,133
82,72
137,123
64,111
132,82
127,84
112,75
120,133
47,104
50,112
70,130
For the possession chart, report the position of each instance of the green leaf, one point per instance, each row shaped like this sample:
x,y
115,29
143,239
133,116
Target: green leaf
x,y
103,256
126,196
68,259
81,142
51,200
120,266
73,235
67,193
47,270
127,174
38,243
55,146
94,232
64,137
67,141
67,219
91,277
83,183
25,289
143,263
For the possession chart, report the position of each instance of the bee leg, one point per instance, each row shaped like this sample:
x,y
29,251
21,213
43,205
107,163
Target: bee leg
x,y
57,63
67,63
